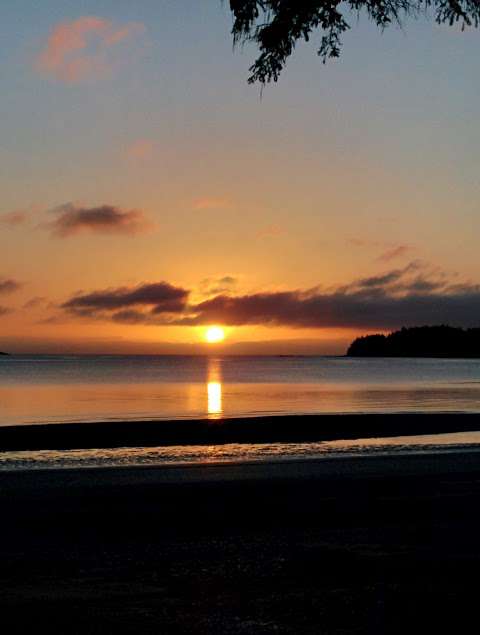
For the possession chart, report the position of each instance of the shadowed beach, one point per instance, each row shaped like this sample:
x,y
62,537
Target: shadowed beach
x,y
278,429
367,545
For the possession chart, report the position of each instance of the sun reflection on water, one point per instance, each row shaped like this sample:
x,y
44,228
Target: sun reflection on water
x,y
214,389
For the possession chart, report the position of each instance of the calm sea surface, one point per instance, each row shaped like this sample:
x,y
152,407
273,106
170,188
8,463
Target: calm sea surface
x,y
53,389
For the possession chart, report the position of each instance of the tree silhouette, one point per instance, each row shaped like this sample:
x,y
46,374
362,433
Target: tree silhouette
x,y
276,26
419,341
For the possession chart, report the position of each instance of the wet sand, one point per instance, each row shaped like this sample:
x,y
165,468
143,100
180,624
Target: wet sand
x,y
342,545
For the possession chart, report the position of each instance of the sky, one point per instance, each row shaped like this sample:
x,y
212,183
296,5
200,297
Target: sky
x,y
149,191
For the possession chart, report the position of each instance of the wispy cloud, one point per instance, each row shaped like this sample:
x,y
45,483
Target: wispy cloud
x,y
140,150
390,250
35,303
270,231
15,218
213,286
81,49
392,253
8,285
104,219
211,202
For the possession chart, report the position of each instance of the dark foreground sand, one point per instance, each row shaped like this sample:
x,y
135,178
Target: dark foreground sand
x,y
367,545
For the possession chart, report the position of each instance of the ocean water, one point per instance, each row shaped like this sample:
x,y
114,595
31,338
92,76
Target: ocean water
x,y
72,388
52,389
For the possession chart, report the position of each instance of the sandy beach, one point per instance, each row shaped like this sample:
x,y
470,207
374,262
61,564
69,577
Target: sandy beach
x,y
366,545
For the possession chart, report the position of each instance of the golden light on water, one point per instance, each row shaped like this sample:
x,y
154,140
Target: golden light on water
x,y
214,334
214,389
214,392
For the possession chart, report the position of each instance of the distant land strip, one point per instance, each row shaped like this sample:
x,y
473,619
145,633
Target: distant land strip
x,y
420,341
271,429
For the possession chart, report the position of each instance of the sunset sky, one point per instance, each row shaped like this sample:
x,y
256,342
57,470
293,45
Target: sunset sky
x,y
148,191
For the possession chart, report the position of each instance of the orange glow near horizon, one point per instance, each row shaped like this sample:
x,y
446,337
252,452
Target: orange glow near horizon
x,y
200,221
214,334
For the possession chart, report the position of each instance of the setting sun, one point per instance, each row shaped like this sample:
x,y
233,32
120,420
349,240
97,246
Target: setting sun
x,y
214,334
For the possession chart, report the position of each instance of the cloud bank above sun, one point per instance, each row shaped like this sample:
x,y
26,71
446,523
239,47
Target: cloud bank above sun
x,y
414,294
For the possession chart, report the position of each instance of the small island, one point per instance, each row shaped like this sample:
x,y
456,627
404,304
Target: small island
x,y
3,353
419,341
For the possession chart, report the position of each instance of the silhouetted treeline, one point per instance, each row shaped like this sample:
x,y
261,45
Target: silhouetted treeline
x,y
277,26
419,341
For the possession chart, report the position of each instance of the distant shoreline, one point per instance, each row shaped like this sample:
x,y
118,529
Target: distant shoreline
x,y
221,355
268,429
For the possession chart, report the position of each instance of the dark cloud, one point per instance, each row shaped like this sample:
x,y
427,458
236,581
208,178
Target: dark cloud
x,y
387,279
7,285
105,219
415,277
4,310
379,281
158,298
410,296
130,316
339,310
420,284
